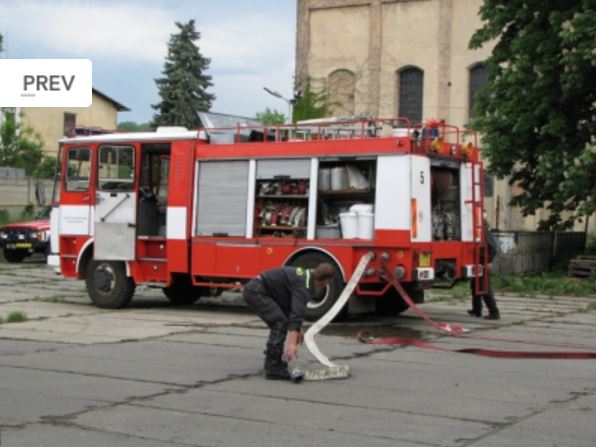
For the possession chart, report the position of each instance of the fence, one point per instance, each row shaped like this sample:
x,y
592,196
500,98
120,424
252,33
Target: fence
x,y
522,252
11,173
16,193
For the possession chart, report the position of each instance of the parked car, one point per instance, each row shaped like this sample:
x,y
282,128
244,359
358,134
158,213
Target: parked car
x,y
22,239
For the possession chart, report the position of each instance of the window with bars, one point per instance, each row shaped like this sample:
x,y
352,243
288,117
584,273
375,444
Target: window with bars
x,y
70,123
410,88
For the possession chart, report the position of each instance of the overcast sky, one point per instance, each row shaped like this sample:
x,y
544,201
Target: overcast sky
x,y
251,44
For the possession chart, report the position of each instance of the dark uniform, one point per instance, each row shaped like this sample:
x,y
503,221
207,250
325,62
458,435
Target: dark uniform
x,y
488,297
279,297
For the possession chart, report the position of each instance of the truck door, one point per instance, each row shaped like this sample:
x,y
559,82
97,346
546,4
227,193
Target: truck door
x,y
115,203
76,196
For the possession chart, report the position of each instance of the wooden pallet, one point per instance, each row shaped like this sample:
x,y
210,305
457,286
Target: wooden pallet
x,y
583,266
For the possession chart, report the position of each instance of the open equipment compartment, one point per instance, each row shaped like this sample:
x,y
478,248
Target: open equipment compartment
x,y
344,183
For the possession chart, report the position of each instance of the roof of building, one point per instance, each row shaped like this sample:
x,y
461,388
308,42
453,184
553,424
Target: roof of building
x,y
119,107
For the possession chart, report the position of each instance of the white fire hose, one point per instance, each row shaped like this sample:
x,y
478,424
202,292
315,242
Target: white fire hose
x,y
331,370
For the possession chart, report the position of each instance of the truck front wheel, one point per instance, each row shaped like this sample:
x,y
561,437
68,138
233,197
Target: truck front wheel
x,y
107,284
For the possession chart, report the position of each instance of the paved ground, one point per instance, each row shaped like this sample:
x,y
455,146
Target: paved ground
x,y
154,375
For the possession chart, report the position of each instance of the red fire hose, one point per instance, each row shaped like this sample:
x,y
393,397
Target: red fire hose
x,y
456,330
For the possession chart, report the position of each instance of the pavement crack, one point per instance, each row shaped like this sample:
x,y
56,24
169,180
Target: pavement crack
x,y
94,375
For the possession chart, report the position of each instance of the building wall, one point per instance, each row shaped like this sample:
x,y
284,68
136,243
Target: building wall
x,y
401,21
49,122
376,38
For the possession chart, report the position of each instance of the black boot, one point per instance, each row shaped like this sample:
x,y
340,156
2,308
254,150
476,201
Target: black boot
x,y
275,367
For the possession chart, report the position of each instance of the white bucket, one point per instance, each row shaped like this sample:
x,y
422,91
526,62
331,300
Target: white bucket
x,y
365,225
362,208
349,225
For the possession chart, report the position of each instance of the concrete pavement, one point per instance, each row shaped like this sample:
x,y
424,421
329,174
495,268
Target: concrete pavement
x,y
156,375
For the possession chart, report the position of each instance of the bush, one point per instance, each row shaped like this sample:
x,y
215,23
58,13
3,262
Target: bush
x,y
28,212
591,244
4,217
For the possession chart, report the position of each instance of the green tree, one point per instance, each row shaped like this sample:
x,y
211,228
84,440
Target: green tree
x,y
536,112
20,147
131,126
46,167
311,104
183,89
271,116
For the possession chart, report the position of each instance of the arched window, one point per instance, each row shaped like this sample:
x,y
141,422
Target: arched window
x,y
477,81
410,87
341,86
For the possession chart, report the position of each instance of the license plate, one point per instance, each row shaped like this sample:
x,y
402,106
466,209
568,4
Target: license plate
x,y
424,260
23,245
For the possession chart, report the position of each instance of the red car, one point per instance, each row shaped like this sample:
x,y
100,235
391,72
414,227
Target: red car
x,y
23,239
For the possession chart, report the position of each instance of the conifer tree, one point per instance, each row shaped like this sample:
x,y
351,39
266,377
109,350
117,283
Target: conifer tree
x,y
183,87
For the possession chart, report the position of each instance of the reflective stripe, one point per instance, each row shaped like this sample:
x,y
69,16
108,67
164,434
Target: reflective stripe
x,y
307,278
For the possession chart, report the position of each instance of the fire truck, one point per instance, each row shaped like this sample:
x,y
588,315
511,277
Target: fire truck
x,y
199,212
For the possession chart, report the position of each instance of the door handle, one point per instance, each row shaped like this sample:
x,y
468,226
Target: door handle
x,y
86,198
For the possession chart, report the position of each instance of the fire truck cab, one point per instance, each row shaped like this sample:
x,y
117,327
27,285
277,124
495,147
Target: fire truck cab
x,y
196,212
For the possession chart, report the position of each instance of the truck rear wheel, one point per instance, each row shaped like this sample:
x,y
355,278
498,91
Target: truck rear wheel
x,y
107,284
181,292
326,297
393,304
12,255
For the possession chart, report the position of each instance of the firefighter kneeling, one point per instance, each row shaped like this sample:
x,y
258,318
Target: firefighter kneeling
x,y
279,297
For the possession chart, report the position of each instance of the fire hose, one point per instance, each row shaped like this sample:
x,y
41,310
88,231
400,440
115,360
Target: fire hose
x,y
458,331
331,370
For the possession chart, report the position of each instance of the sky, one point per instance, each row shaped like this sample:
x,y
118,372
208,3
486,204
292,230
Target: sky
x,y
251,45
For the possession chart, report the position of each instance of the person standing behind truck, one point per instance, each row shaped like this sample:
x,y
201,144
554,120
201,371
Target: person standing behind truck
x,y
279,297
488,297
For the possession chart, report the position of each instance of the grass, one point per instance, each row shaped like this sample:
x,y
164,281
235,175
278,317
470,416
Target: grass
x,y
549,284
552,283
14,317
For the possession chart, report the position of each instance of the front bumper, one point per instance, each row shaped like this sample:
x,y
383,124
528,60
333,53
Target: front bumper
x,y
29,245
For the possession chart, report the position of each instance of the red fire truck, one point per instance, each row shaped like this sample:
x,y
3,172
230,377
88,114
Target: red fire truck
x,y
196,212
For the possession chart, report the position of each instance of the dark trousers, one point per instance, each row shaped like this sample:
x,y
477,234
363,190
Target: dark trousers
x,y
488,297
259,300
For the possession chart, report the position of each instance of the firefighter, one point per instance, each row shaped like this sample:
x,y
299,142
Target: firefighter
x,y
279,297
488,297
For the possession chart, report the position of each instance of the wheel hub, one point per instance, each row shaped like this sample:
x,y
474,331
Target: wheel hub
x,y
319,298
104,279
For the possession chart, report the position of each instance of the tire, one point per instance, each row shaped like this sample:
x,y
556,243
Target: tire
x,y
15,256
107,284
393,304
182,292
324,298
